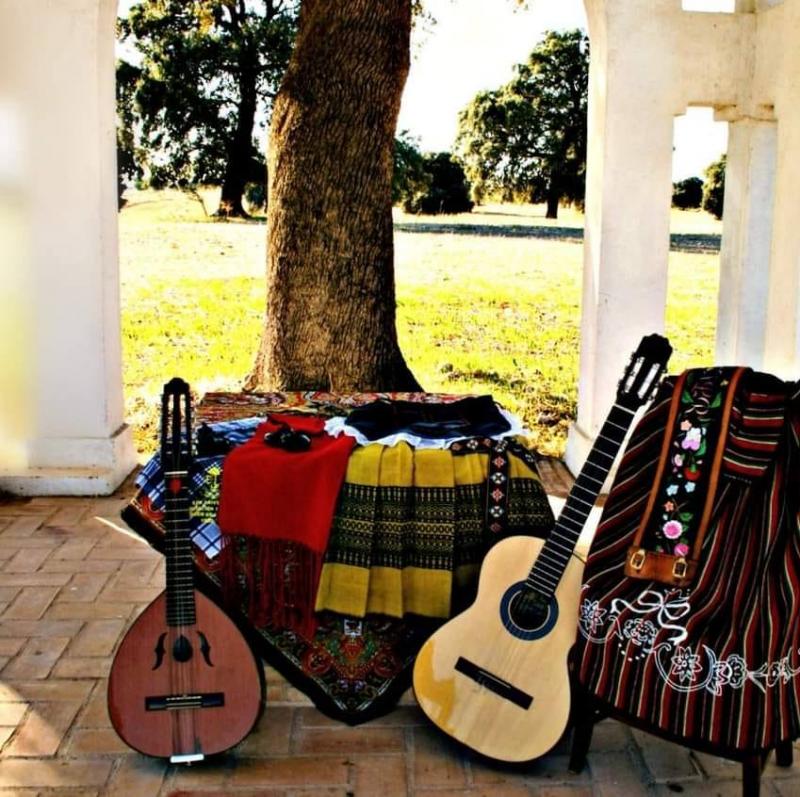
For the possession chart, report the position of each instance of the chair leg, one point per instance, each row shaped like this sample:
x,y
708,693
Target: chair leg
x,y
783,754
581,740
752,765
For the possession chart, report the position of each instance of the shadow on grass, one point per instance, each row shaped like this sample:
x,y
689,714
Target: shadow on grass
x,y
695,243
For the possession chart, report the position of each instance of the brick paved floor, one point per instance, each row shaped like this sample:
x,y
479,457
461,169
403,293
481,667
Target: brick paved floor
x,y
71,582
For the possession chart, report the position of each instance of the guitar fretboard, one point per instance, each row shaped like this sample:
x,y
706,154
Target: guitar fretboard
x,y
178,551
557,550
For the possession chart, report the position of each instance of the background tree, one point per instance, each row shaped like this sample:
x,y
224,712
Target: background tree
x,y
128,167
688,193
209,70
527,139
714,187
447,188
330,318
410,180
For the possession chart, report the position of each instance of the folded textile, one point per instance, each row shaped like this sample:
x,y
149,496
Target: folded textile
x,y
475,416
412,527
284,495
339,425
285,501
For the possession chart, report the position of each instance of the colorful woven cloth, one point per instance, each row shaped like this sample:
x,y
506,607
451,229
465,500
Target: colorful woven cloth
x,y
411,527
352,669
286,500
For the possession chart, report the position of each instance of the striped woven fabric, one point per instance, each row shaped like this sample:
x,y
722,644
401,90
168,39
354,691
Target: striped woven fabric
x,y
411,527
715,663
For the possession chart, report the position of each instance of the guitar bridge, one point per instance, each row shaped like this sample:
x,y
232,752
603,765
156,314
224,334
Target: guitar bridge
x,y
494,684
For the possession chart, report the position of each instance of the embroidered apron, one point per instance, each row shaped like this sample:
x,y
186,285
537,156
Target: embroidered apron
x,y
690,614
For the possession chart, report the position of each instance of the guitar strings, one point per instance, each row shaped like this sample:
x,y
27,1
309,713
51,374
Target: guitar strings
x,y
515,655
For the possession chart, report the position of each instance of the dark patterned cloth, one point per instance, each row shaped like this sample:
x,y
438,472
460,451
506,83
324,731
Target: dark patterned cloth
x,y
714,663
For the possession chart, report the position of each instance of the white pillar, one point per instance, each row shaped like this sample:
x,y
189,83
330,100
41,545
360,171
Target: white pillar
x,y
628,194
650,60
57,79
778,86
746,243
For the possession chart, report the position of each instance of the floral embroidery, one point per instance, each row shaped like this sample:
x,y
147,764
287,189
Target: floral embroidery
x,y
680,502
592,616
641,632
660,616
685,664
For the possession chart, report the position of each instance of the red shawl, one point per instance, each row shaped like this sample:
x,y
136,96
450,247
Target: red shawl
x,y
284,501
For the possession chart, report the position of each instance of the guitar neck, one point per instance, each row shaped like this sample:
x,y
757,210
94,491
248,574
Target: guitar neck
x,y
548,569
178,549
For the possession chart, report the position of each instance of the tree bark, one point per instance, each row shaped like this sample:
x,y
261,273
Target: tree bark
x,y
553,198
330,318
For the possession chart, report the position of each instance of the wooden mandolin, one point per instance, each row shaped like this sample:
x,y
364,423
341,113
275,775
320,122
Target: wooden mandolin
x,y
184,683
496,677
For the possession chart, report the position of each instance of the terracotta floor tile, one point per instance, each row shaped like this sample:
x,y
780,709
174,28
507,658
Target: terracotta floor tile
x,y
295,771
43,729
33,773
31,603
348,741
83,587
36,659
137,776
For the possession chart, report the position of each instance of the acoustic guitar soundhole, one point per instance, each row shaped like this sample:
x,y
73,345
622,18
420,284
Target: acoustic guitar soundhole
x,y
526,614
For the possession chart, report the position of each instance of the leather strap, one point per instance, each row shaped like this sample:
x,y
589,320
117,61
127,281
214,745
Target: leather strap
x,y
641,561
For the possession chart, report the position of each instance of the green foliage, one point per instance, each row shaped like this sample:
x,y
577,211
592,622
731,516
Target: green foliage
x,y
688,193
527,139
714,188
208,72
256,194
128,168
410,180
447,190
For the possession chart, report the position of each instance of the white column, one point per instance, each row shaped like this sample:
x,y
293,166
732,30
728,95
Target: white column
x,y
57,77
782,333
746,243
628,194
778,85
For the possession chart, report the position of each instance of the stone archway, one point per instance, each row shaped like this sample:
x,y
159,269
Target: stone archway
x,y
58,163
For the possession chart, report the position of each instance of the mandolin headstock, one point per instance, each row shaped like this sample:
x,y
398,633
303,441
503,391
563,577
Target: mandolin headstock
x,y
176,427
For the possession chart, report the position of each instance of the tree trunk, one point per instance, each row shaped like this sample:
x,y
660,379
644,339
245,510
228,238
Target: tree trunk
x,y
553,197
330,321
241,146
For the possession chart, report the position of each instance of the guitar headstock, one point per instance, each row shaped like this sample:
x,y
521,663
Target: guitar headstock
x,y
644,371
176,427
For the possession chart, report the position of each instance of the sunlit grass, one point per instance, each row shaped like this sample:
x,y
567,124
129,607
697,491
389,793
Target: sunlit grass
x,y
477,312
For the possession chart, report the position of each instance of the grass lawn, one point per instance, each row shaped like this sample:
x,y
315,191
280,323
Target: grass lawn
x,y
487,302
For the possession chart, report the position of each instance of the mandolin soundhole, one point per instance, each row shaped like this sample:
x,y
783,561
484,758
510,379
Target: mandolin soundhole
x,y
526,614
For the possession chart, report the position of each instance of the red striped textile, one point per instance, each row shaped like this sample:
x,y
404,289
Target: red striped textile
x,y
715,663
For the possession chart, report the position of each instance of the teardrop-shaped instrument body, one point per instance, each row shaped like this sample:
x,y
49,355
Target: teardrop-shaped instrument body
x,y
184,690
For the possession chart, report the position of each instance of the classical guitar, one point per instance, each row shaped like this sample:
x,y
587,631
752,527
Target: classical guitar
x,y
184,683
496,677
